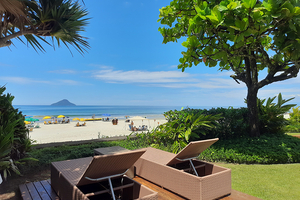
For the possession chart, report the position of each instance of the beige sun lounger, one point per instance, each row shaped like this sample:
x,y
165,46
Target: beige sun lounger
x,y
183,174
98,177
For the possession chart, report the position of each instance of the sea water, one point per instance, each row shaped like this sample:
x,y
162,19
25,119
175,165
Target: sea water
x,y
120,112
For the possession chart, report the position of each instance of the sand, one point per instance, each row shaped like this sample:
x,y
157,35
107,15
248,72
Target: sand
x,y
92,130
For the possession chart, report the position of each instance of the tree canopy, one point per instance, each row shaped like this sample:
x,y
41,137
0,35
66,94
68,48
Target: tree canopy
x,y
245,36
61,20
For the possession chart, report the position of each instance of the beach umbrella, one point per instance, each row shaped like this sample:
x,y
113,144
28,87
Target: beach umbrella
x,y
138,118
26,122
31,120
76,119
82,119
60,116
28,116
47,117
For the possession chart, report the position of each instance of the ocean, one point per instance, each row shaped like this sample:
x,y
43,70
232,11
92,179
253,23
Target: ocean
x,y
151,112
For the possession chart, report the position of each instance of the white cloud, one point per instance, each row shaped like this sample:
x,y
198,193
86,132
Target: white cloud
x,y
137,76
168,79
29,81
21,80
63,71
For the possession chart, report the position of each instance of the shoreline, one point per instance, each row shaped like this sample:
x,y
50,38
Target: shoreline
x,y
54,133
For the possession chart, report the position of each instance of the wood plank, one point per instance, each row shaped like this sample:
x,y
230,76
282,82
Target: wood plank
x,y
41,190
24,192
33,192
47,185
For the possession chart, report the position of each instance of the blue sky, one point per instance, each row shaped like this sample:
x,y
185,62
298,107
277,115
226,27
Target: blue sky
x,y
126,65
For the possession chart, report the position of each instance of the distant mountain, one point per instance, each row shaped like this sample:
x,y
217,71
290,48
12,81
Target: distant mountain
x,y
63,102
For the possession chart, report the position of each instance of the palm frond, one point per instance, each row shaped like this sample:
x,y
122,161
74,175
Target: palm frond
x,y
62,20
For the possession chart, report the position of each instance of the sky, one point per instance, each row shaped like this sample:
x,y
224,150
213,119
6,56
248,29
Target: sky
x,y
127,64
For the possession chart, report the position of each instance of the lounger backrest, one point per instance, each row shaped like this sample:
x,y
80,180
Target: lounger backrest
x,y
108,165
193,149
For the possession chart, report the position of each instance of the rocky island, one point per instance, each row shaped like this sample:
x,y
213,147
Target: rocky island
x,y
63,102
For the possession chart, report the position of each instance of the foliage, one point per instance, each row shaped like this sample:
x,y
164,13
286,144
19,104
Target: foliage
x,y
294,120
14,138
61,20
181,128
52,154
232,124
271,114
295,116
267,149
237,36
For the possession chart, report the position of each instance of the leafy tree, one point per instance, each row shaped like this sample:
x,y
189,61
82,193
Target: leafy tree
x,y
245,36
62,20
295,115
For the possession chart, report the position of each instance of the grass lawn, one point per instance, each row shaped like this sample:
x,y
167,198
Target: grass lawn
x,y
267,182
293,133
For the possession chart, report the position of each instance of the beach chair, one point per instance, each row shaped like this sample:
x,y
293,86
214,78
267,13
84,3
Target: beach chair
x,y
98,177
183,174
49,122
78,124
45,123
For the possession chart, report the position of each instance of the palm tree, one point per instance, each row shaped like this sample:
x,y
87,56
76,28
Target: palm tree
x,y
62,20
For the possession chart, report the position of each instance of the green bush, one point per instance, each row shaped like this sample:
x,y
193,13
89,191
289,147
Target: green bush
x,y
181,128
294,120
14,138
267,149
231,123
271,115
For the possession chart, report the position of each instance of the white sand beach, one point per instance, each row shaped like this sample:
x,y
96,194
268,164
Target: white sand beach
x,y
92,130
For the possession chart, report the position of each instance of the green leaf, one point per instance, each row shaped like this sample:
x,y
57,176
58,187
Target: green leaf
x,y
232,5
236,28
249,3
213,18
297,10
222,8
292,26
285,12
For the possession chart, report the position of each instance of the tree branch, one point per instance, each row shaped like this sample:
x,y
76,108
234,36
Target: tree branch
x,y
5,41
291,72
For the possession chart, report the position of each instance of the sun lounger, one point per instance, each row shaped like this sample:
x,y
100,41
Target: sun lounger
x,y
98,177
183,174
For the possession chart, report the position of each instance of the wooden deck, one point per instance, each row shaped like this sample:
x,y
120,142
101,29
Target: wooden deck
x,y
43,191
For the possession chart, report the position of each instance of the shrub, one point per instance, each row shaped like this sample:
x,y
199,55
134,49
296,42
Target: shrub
x,y
267,149
294,120
271,115
14,138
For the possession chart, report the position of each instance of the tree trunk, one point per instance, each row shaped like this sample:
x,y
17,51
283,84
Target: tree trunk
x,y
253,112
